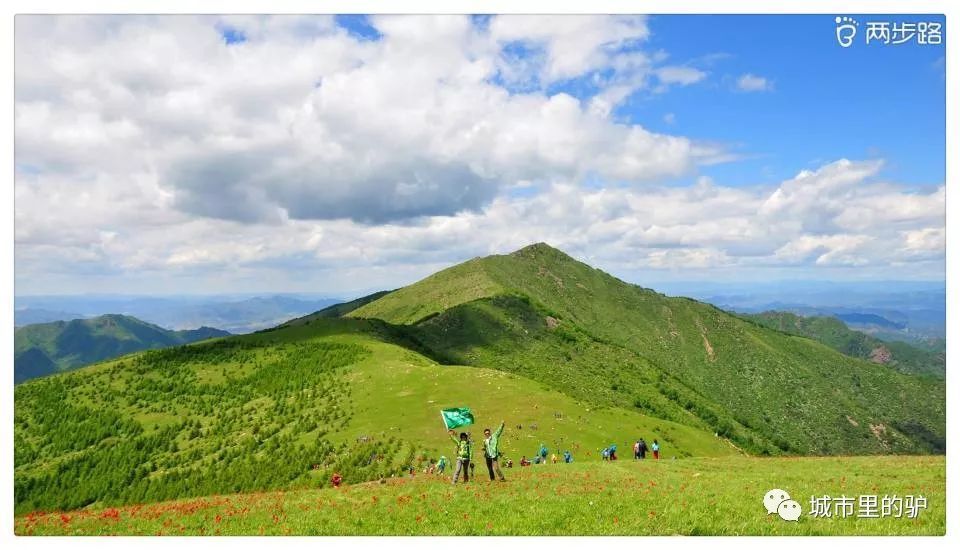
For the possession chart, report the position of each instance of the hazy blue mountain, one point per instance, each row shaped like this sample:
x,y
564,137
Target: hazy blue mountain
x,y
237,314
32,316
47,348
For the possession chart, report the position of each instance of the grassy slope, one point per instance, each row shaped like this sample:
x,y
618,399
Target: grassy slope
x,y
702,496
438,292
258,411
401,394
62,345
616,343
834,333
339,310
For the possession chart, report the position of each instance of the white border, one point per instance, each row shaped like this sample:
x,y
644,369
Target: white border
x,y
11,7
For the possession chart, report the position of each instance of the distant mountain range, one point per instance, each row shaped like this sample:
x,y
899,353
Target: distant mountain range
x,y
833,332
47,348
911,311
235,314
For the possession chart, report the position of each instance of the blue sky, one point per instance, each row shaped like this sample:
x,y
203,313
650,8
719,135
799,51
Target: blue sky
x,y
866,101
858,102
348,153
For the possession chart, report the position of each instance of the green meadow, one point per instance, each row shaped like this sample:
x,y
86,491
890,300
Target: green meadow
x,y
693,496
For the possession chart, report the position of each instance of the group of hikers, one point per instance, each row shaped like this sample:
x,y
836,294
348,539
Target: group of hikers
x,y
464,464
492,454
640,450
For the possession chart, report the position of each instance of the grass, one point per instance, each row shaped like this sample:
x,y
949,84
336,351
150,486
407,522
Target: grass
x,y
408,391
541,314
283,409
698,496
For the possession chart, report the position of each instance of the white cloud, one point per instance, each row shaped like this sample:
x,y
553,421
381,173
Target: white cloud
x,y
753,83
680,75
573,45
304,121
316,161
625,230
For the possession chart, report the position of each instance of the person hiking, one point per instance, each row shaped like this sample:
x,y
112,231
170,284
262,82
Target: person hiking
x,y
636,450
656,449
463,456
336,479
613,452
604,454
441,464
567,457
643,449
543,454
491,451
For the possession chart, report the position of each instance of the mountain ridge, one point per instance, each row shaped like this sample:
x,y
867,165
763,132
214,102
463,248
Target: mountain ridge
x,y
540,313
47,348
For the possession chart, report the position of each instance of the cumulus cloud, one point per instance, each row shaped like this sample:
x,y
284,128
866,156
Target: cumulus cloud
x,y
301,120
149,150
753,83
571,45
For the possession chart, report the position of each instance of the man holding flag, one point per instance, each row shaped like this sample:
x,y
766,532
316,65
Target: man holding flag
x,y
454,418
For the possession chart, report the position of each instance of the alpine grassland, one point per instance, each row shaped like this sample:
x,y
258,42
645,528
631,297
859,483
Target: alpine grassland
x,y
540,313
693,496
242,434
284,409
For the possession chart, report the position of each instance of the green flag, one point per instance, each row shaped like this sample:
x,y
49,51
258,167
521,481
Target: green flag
x,y
456,417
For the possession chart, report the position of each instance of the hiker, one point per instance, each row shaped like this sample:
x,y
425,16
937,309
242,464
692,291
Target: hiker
x,y
491,451
643,449
553,458
604,454
509,463
636,450
613,452
441,464
656,449
567,457
336,479
463,456
524,461
543,454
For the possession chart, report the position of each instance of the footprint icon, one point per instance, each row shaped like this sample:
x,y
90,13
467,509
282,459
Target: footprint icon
x,y
846,30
